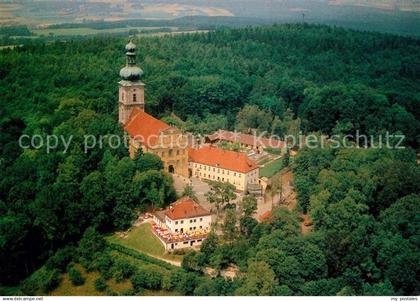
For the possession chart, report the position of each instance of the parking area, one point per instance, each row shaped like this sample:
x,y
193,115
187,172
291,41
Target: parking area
x,y
200,188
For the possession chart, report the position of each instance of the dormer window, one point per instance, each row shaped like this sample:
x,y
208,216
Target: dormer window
x,y
134,97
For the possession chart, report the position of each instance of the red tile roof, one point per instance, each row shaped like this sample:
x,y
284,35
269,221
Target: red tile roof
x,y
226,159
266,217
253,140
185,208
144,127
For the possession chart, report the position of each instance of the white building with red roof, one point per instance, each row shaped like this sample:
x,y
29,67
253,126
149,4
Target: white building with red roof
x,y
183,224
217,164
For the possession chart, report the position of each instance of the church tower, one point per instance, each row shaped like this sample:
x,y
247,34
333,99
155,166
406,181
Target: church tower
x,y
131,89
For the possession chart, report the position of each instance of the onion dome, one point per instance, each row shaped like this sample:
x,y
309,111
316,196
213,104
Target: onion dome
x,y
131,47
131,71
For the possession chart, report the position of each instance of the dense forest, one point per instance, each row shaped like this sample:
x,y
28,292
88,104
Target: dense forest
x,y
279,79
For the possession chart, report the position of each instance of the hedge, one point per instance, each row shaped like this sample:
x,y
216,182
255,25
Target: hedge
x,y
140,256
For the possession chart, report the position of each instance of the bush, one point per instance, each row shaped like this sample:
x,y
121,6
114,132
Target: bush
x,y
76,277
51,281
123,270
60,259
104,265
111,292
138,281
130,292
147,278
180,281
100,284
91,243
189,262
42,280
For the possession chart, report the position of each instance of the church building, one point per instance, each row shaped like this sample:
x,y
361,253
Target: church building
x,y
145,131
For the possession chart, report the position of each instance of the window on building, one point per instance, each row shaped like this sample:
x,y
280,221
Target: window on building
x,y
134,97
194,228
176,230
185,242
201,219
190,228
176,223
201,227
191,220
195,220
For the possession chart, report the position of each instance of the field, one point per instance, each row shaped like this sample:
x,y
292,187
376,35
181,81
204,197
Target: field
x,y
90,31
142,239
271,168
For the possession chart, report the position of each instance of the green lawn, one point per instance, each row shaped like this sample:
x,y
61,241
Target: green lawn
x,y
142,239
274,151
271,168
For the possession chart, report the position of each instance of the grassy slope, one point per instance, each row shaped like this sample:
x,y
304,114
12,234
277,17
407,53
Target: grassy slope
x,y
142,239
271,168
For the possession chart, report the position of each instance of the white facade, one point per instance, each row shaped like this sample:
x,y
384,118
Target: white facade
x,y
188,224
239,179
184,244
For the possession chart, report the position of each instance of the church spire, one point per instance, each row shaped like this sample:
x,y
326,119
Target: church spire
x,y
131,71
131,89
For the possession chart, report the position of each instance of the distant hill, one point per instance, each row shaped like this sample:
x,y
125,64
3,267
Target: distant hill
x,y
391,16
402,5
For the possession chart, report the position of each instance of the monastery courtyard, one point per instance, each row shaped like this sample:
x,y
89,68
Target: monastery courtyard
x,y
287,199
